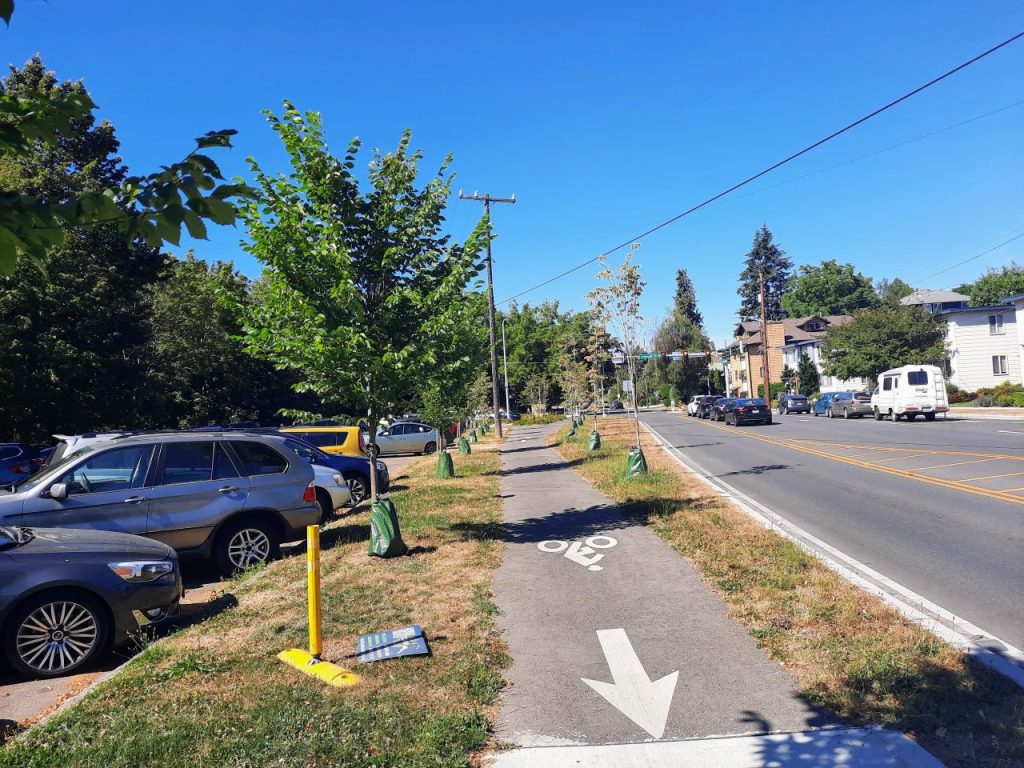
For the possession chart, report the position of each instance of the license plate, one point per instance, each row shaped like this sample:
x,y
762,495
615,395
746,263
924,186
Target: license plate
x,y
754,410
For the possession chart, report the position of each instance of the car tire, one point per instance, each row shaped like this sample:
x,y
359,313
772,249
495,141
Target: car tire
x,y
326,504
358,487
846,413
429,447
929,417
23,640
245,543
878,415
893,416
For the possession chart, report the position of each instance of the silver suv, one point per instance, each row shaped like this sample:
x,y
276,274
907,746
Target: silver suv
x,y
232,498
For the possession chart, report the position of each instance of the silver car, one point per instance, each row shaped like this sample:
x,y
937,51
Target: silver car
x,y
850,405
232,498
406,437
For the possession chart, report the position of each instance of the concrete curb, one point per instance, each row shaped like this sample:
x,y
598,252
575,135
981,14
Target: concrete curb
x,y
1002,657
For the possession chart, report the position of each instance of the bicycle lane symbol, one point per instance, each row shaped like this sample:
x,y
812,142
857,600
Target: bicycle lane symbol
x,y
580,552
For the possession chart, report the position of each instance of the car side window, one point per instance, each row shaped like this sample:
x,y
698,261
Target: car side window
x,y
120,469
422,428
223,467
299,448
320,439
341,438
259,459
398,429
887,384
187,463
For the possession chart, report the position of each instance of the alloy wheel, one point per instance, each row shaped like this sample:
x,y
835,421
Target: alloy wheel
x,y
248,547
57,636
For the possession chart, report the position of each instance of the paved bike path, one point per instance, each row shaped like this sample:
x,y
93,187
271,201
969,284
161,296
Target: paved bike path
x,y
552,607
651,609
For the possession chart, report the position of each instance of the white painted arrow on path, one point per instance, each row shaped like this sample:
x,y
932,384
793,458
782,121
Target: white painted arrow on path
x,y
644,702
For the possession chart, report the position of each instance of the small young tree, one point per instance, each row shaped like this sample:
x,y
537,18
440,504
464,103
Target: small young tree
x,y
616,305
363,290
807,373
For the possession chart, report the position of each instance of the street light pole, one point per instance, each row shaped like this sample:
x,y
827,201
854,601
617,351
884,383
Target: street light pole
x,y
504,358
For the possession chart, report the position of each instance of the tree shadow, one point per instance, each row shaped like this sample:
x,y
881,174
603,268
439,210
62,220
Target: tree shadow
x,y
547,466
524,449
352,533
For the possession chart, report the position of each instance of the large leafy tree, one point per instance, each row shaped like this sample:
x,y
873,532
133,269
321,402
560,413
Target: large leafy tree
x,y
201,372
76,349
830,288
363,288
883,338
995,285
891,291
39,114
685,299
764,257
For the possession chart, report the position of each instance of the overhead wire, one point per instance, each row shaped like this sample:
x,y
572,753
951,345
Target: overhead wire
x,y
987,251
772,167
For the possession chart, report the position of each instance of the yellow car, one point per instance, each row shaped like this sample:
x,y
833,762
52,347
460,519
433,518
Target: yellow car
x,y
347,441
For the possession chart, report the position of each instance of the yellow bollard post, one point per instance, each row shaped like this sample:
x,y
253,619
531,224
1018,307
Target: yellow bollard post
x,y
313,588
310,662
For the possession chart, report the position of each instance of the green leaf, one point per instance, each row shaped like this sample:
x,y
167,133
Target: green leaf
x,y
6,9
220,211
216,139
195,226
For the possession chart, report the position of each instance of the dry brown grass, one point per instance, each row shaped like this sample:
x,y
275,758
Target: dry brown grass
x,y
848,650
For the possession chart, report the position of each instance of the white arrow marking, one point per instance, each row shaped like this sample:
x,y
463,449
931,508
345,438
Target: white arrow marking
x,y
644,702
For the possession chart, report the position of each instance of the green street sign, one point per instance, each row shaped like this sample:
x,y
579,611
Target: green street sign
x,y
649,355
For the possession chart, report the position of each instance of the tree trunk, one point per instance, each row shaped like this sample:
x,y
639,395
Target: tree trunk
x,y
372,450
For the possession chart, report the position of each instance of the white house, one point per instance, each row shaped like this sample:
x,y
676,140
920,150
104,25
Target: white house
x,y
935,301
984,344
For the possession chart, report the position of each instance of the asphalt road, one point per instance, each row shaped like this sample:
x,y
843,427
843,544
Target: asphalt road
x,y
936,506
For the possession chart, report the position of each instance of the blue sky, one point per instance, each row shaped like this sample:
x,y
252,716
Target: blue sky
x,y
603,118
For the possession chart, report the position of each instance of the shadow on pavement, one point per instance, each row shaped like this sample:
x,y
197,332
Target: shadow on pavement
x,y
758,470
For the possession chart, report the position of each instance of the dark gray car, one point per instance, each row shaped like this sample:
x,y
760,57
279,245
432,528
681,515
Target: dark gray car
x,y
66,596
232,497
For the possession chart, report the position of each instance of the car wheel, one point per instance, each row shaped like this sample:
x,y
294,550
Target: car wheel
x,y
910,416
929,417
245,543
893,416
878,415
430,447
815,414
56,633
357,487
846,413
326,504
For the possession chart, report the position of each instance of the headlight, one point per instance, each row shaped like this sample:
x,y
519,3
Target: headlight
x,y
338,480
142,570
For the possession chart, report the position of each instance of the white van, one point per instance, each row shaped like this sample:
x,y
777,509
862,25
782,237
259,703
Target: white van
x,y
909,391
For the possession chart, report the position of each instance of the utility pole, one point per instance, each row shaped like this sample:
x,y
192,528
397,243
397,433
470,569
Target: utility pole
x,y
764,344
486,199
504,358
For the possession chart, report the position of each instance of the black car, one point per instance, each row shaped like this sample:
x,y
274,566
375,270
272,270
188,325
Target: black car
x,y
747,410
617,406
704,408
68,595
717,411
794,403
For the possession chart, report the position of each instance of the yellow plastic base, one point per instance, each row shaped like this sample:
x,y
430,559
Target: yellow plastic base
x,y
331,674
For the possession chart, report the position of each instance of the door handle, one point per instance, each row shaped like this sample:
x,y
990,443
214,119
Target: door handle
x,y
134,499
228,489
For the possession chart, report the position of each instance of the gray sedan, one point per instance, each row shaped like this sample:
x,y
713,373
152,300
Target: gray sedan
x,y
850,405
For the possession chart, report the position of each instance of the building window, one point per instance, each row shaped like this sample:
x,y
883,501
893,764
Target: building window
x,y
814,326
999,365
995,325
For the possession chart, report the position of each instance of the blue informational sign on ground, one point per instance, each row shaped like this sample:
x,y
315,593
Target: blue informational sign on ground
x,y
407,641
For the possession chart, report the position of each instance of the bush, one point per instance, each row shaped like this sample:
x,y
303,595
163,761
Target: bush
x,y
776,388
983,401
957,395
1004,400
1018,400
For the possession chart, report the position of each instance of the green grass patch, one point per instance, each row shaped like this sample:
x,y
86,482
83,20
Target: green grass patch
x,y
849,652
216,695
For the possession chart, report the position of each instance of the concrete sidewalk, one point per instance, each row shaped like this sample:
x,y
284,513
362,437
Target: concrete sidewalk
x,y
614,638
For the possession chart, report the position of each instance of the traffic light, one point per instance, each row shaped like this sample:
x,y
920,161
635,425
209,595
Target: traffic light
x,y
686,356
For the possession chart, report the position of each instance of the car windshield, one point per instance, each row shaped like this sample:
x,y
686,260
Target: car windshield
x,y
50,473
798,397
11,536
750,401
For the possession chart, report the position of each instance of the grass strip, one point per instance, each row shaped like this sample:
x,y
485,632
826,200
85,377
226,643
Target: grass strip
x,y
215,695
849,652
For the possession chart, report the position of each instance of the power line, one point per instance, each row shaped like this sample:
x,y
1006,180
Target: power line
x,y
1018,236
773,167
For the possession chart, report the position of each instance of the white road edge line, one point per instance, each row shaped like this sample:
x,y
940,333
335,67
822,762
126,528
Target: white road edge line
x,y
1009,432
984,646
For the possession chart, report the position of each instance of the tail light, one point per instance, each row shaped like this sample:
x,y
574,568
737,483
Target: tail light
x,y
38,462
309,495
362,442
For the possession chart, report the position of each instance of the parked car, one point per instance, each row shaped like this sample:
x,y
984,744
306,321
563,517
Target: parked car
x,y
704,408
354,469
616,405
347,441
231,497
910,391
691,407
406,437
718,408
850,405
747,410
69,595
17,461
820,407
793,403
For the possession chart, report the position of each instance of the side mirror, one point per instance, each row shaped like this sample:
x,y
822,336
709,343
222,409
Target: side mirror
x,y
59,491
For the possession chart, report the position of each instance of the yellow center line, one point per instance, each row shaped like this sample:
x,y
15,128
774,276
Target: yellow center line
x,y
930,451
954,464
990,477
955,485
